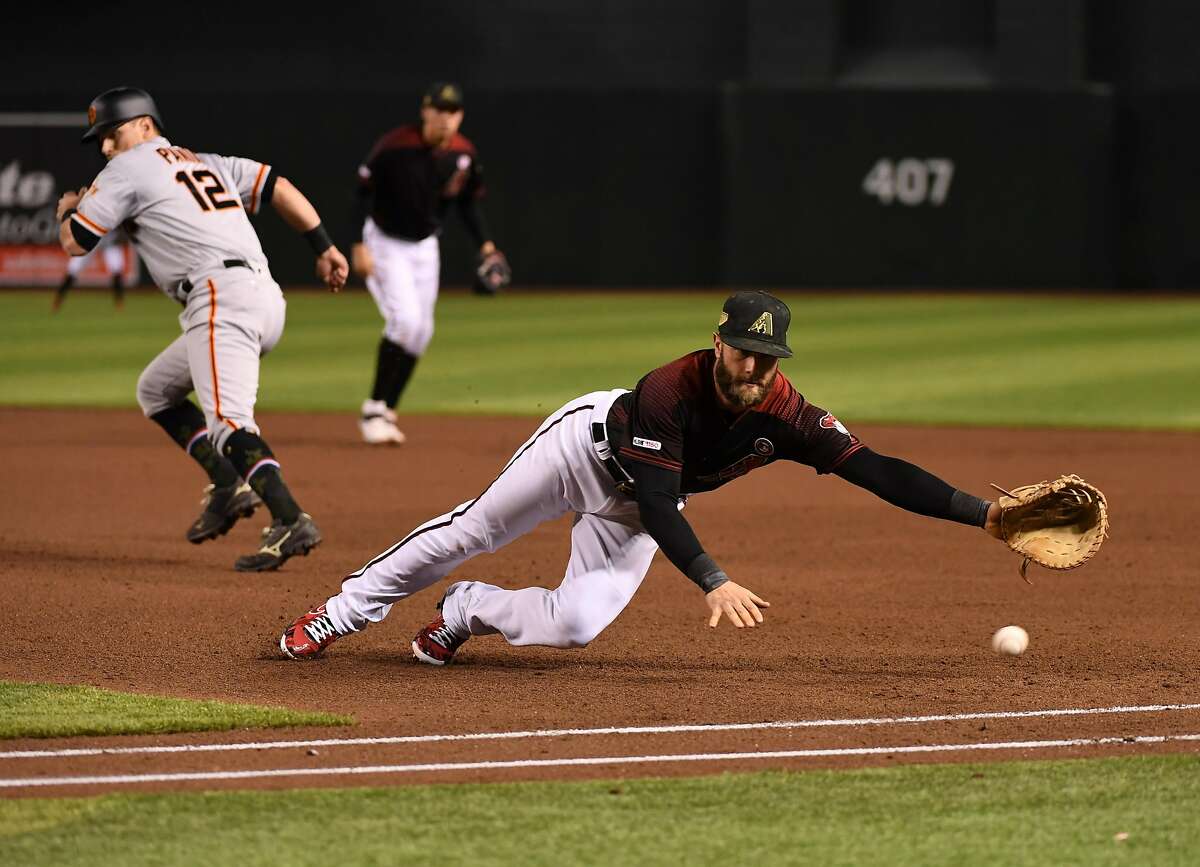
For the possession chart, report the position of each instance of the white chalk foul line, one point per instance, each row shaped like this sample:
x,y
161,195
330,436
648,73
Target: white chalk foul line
x,y
614,730
118,779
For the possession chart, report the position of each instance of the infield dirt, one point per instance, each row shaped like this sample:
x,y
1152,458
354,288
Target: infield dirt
x,y
875,612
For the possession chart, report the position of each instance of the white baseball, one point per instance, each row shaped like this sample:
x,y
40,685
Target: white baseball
x,y
1010,641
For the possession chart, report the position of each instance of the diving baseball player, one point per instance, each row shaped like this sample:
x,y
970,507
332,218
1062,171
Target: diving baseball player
x,y
406,184
624,462
112,249
188,216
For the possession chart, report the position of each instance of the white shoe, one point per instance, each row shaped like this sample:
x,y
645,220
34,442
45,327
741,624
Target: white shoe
x,y
378,407
378,431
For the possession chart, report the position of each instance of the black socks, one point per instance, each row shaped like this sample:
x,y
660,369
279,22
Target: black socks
x,y
246,455
185,424
253,460
393,368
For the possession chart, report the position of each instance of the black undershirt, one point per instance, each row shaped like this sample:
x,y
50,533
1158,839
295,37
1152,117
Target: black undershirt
x,y
268,190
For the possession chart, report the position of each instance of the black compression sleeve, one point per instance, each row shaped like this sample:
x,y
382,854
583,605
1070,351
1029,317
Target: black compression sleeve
x,y
910,487
472,214
658,507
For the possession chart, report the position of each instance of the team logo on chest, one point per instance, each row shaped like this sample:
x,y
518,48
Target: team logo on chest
x,y
764,449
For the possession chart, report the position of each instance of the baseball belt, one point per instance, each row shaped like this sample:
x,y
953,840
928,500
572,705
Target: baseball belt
x,y
604,451
185,286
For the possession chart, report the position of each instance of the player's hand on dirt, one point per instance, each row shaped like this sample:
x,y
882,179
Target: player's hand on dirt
x,y
68,200
737,603
364,264
991,526
332,268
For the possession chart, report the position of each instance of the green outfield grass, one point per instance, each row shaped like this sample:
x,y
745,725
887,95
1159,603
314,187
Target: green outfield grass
x,y
40,710
971,359
1064,812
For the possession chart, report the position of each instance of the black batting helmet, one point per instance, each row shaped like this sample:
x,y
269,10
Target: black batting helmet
x,y
114,107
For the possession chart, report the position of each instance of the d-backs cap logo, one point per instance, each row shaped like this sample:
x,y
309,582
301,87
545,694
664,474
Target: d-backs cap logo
x,y
763,325
724,318
449,94
91,115
830,423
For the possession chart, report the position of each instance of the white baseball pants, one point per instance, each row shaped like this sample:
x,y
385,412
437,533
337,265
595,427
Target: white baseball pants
x,y
404,284
231,319
555,471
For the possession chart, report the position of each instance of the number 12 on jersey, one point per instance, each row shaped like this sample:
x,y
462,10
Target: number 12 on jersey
x,y
204,181
908,180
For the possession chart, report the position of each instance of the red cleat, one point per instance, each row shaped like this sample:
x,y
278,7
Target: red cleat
x,y
436,643
309,635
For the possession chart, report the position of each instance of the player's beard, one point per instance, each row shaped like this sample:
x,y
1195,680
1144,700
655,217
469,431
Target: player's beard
x,y
741,394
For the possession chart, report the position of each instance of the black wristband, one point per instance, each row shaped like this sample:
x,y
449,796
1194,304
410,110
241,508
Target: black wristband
x,y
318,239
705,572
67,214
968,509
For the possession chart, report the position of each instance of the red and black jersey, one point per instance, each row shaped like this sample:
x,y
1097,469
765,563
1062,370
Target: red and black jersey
x,y
673,420
405,185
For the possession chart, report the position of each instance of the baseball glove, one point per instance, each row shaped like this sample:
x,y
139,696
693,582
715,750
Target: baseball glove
x,y
1059,524
493,274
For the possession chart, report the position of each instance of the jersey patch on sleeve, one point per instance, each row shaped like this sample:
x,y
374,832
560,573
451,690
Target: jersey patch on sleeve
x,y
829,422
655,445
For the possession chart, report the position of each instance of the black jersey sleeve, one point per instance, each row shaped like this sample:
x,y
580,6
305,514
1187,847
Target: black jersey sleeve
x,y
652,452
470,205
657,491
658,506
364,190
820,440
910,487
473,219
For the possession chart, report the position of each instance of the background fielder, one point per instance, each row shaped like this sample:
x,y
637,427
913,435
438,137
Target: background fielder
x,y
113,248
187,214
406,184
625,463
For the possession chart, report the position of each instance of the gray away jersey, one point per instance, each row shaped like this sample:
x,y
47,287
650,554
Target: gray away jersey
x,y
185,212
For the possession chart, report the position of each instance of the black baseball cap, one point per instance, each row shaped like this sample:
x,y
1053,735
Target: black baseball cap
x,y
445,95
756,322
